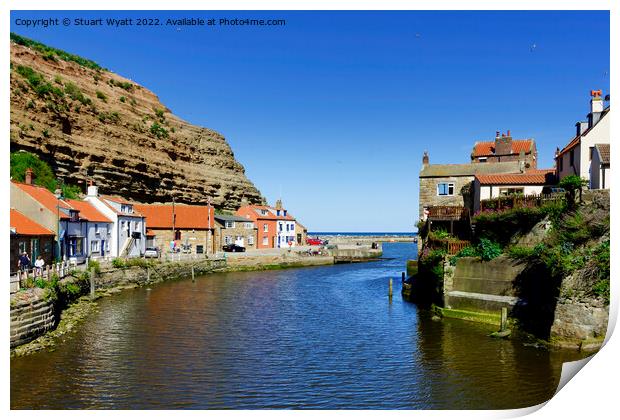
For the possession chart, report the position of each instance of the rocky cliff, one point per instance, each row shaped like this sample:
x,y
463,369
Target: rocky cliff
x,y
91,124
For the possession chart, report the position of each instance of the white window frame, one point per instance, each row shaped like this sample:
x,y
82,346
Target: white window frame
x,y
265,227
228,240
94,246
250,240
230,224
265,240
450,186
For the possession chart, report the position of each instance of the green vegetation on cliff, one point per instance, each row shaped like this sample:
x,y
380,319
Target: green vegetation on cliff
x,y
42,173
53,54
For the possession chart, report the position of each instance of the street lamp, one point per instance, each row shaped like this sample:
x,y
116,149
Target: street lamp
x,y
58,194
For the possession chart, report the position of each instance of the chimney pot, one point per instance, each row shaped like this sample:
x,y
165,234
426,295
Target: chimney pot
x,y
508,133
425,158
28,177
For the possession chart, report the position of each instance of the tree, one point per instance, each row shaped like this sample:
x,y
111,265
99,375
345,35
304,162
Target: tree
x,y
43,174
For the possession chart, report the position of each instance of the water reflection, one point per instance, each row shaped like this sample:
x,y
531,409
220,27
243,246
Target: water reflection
x,y
324,337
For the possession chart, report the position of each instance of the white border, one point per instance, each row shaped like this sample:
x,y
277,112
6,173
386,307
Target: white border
x,y
591,394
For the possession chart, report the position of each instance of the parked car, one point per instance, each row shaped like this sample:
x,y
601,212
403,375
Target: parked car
x,y
233,248
151,253
314,241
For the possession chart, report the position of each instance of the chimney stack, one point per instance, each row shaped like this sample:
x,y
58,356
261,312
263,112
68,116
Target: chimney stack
x,y
278,204
596,107
503,144
425,159
93,190
28,178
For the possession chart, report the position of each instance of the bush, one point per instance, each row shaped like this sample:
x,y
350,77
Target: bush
x,y
520,252
118,263
502,226
487,249
123,99
159,131
43,174
38,82
94,264
76,94
101,95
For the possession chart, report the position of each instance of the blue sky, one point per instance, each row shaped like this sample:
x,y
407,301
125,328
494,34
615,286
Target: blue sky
x,y
334,110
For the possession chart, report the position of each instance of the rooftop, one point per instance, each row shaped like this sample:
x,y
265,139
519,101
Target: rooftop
x,y
160,216
468,169
88,211
532,177
44,196
22,225
487,148
603,151
577,139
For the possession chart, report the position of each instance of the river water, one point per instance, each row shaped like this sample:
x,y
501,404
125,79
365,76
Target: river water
x,y
324,337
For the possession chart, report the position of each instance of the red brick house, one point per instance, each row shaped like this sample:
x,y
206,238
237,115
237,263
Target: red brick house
x,y
505,149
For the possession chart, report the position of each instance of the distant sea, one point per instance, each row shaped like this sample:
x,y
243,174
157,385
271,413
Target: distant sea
x,y
362,233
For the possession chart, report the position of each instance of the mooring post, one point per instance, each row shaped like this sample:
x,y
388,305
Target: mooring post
x,y
402,275
92,282
504,321
148,274
390,289
192,273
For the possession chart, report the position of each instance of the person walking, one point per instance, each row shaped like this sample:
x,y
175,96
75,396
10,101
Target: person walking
x,y
24,262
39,264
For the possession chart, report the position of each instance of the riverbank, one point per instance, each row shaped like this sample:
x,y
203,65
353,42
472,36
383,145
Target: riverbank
x,y
40,316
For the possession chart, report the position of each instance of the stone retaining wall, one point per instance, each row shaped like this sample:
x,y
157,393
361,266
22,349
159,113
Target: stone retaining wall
x,y
241,261
579,324
31,316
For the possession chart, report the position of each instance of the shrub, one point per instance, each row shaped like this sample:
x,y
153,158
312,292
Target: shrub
x,y
94,264
101,95
30,105
159,113
76,94
118,263
43,174
158,131
38,82
502,226
123,99
520,252
487,249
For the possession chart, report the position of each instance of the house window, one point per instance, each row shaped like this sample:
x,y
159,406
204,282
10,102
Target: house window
x,y
249,225
510,191
94,246
230,224
265,228
122,224
265,240
280,229
277,212
96,229
250,240
199,249
73,215
561,162
445,188
572,157
34,245
482,159
22,247
238,238
227,240
177,235
263,212
135,225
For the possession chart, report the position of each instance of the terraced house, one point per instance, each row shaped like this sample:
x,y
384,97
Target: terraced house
x,y
234,229
577,156
76,224
276,227
181,228
128,230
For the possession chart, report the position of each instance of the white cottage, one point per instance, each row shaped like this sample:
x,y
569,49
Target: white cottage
x,y
128,236
600,175
575,157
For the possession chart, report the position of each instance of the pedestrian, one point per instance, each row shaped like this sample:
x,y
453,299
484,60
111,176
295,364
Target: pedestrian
x,y
24,262
39,264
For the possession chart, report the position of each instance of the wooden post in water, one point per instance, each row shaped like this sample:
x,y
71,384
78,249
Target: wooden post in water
x,y
148,274
92,283
390,290
504,320
192,273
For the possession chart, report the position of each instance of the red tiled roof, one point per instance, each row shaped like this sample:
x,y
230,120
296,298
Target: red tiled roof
x,y
44,196
159,216
603,150
577,139
532,177
254,211
25,226
487,148
88,211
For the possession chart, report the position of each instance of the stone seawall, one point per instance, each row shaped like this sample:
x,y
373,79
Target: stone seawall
x,y
485,286
31,316
263,262
579,324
